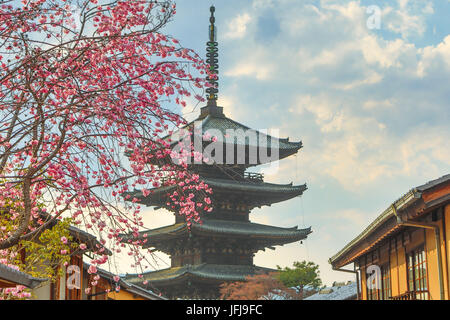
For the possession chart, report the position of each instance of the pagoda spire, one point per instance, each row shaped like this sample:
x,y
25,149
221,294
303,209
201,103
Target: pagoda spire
x,y
211,55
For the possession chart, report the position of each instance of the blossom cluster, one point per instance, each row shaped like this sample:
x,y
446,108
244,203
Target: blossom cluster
x,y
85,107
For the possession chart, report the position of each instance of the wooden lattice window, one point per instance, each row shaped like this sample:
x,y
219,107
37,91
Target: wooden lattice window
x,y
373,293
75,294
417,273
386,281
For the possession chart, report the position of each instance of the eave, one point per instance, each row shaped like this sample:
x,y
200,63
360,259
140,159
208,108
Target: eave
x,y
270,193
386,223
124,285
202,272
220,228
10,277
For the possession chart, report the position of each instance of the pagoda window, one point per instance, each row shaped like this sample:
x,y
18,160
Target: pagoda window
x,y
417,273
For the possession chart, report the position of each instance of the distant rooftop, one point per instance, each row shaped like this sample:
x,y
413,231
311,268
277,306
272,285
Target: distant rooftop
x,y
339,291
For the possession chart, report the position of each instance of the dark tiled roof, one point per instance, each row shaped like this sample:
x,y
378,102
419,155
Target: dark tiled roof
x,y
225,228
89,239
250,186
82,236
17,277
345,292
130,287
433,183
222,124
277,192
205,271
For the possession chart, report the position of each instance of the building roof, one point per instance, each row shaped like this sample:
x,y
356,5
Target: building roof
x,y
213,121
214,118
79,235
405,201
130,287
225,228
336,292
90,240
269,192
201,271
10,277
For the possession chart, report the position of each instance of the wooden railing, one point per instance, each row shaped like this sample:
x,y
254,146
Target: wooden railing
x,y
412,295
254,176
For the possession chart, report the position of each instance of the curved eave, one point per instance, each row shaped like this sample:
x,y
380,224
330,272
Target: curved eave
x,y
250,230
343,257
272,193
221,123
208,272
221,228
404,201
165,233
90,240
10,277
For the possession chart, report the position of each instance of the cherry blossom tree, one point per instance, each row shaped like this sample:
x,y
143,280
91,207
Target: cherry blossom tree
x,y
82,84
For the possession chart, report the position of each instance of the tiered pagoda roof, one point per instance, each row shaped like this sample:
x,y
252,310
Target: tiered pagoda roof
x,y
222,245
262,193
201,272
213,119
221,228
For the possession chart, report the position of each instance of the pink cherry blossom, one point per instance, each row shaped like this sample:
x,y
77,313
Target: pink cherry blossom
x,y
80,97
92,269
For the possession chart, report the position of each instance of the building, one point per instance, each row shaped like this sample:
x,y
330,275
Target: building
x,y
338,291
10,278
404,253
59,289
108,289
75,278
222,247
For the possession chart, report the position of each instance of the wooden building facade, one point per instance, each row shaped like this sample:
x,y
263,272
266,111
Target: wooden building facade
x,y
405,253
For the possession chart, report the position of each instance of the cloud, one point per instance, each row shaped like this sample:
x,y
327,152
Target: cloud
x,y
371,107
374,104
249,65
251,69
408,18
237,27
356,95
435,58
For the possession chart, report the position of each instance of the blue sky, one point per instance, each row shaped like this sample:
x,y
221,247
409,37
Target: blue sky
x,y
372,106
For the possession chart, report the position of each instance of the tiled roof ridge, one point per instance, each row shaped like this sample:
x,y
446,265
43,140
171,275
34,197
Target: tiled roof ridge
x,y
10,274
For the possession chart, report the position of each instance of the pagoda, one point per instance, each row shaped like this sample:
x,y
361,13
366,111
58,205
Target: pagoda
x,y
220,248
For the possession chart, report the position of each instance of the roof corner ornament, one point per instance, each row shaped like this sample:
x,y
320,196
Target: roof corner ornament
x,y
212,54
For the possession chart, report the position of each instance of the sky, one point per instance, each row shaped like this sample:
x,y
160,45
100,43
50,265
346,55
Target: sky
x,y
369,101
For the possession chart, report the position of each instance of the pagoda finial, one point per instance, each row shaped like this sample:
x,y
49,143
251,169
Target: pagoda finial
x,y
212,54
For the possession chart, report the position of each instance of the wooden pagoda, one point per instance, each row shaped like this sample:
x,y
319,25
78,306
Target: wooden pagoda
x,y
222,247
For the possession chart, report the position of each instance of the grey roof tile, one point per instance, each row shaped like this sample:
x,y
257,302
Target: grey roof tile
x,y
12,275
